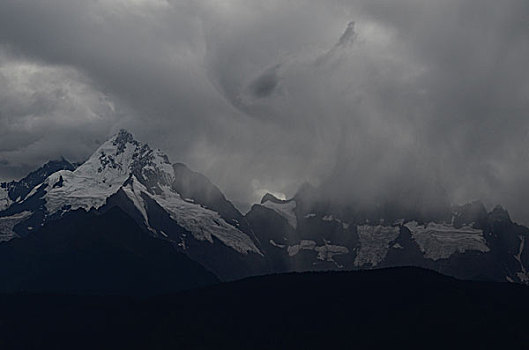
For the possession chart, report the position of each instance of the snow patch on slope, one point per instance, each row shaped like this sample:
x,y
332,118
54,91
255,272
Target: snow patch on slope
x,y
285,209
330,218
93,182
7,224
277,245
325,252
303,245
203,223
374,243
78,191
522,275
440,241
328,251
133,191
4,199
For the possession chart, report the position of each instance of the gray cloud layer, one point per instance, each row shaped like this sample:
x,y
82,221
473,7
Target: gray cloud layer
x,y
263,95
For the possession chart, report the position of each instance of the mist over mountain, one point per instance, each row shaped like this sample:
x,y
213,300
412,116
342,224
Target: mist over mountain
x,y
374,99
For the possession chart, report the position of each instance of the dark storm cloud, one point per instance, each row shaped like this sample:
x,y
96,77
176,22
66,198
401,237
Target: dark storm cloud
x,y
388,97
266,83
347,39
348,35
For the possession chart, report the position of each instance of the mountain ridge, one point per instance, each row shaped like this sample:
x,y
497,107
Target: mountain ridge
x,y
307,232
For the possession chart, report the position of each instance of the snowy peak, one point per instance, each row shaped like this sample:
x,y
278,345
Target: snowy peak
x,y
122,154
144,175
105,172
13,191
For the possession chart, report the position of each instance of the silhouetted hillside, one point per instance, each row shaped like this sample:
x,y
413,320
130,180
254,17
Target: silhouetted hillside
x,y
92,253
366,309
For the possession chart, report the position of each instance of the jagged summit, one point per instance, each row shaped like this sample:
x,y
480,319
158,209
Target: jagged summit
x,y
123,135
106,171
285,208
268,197
500,214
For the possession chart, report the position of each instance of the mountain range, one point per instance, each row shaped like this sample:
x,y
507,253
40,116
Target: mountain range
x,y
128,221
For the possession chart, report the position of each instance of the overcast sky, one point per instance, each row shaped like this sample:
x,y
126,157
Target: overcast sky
x,y
264,95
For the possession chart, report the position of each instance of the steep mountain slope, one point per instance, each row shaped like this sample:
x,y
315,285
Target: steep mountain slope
x,y
91,253
387,308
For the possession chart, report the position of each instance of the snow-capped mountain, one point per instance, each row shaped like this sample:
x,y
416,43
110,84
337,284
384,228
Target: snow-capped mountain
x,y
14,192
129,174
124,164
169,202
11,192
307,233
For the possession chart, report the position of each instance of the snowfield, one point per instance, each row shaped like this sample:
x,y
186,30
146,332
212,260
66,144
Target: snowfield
x,y
7,223
374,243
326,252
303,245
203,223
102,175
440,241
4,199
